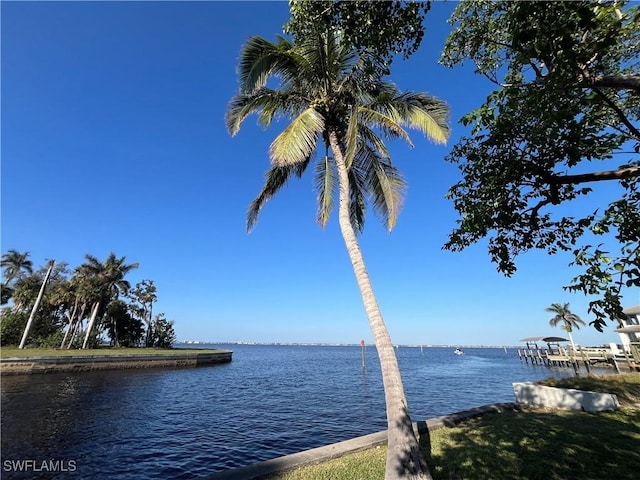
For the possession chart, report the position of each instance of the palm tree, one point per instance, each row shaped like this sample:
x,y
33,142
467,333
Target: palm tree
x,y
109,277
564,315
329,92
14,263
82,290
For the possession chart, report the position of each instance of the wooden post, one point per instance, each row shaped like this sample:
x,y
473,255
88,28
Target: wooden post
x,y
629,360
585,359
615,362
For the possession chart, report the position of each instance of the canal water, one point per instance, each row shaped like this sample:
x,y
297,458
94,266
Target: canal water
x,y
269,401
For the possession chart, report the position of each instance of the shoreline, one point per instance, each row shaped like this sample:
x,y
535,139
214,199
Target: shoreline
x,y
87,363
267,468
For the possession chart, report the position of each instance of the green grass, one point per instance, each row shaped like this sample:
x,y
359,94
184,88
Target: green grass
x,y
365,465
14,352
541,445
529,445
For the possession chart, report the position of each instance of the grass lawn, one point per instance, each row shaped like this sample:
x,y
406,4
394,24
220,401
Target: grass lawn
x,y
15,352
529,445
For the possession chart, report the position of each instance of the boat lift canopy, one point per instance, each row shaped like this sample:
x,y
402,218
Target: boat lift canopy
x,y
544,339
532,341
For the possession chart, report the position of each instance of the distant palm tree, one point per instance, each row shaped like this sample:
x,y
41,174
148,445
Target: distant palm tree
x,y
82,289
14,263
109,282
564,315
330,95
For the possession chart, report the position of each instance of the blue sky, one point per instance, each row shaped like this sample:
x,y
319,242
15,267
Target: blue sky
x,y
113,139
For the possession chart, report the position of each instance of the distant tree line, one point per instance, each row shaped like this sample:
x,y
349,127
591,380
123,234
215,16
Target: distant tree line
x,y
80,308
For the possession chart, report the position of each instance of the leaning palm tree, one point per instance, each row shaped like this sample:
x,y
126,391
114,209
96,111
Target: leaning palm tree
x,y
83,290
109,280
335,101
569,320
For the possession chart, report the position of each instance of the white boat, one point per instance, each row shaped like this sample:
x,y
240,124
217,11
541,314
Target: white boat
x,y
457,351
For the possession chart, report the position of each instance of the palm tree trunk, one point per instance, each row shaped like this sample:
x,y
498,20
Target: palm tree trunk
x,y
90,326
71,315
76,327
36,305
69,334
77,322
114,325
150,320
66,334
573,345
404,459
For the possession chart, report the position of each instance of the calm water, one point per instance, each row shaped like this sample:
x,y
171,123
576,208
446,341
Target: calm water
x,y
270,401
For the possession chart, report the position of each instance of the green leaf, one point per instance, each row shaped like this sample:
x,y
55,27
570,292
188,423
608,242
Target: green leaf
x,y
296,143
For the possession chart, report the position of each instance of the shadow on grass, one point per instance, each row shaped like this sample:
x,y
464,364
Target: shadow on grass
x,y
531,445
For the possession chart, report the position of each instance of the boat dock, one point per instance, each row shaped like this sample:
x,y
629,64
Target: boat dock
x,y
554,355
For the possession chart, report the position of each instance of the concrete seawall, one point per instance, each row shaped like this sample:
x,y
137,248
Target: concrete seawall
x,y
529,393
38,365
313,456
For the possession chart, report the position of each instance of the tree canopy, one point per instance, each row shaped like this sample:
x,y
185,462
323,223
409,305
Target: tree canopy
x,y
383,29
562,122
324,88
92,291
562,314
15,264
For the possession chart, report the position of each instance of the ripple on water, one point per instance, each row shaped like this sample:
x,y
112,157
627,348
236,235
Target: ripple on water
x,y
269,401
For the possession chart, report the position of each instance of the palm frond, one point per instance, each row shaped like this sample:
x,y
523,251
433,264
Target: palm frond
x,y
359,71
284,104
374,141
260,59
325,185
432,119
275,178
296,143
357,196
418,110
387,187
351,138
265,100
389,124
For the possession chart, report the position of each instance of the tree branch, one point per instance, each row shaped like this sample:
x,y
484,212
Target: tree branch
x,y
595,176
630,81
623,118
